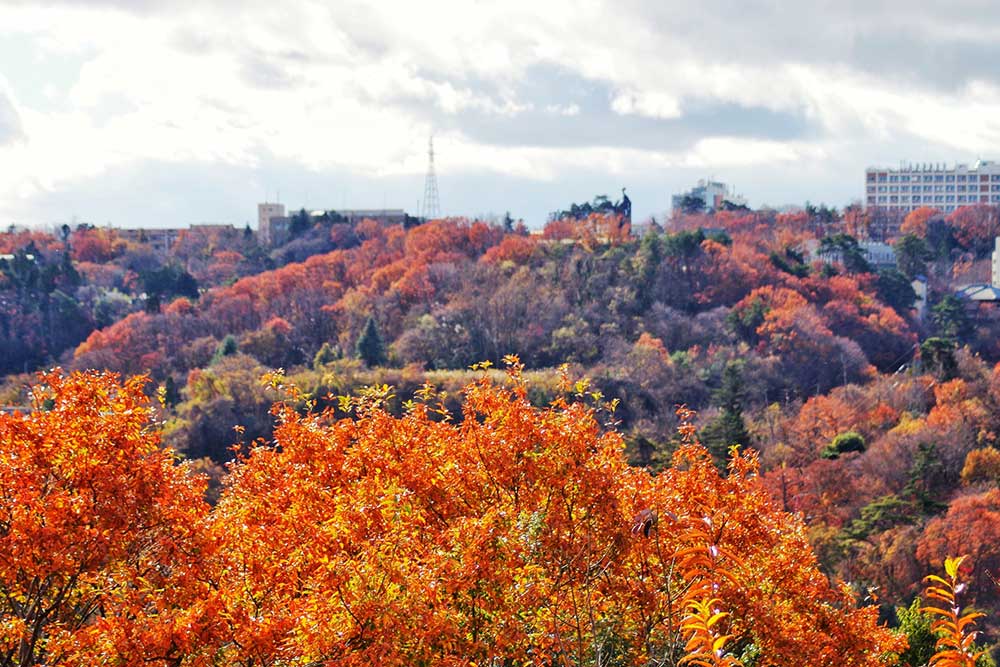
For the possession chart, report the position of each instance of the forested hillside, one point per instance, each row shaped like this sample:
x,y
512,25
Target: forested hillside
x,y
875,428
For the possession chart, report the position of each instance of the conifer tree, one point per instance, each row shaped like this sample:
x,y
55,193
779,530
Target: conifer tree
x,y
728,428
370,347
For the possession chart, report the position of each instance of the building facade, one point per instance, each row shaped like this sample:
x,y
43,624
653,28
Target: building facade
x,y
265,213
159,239
879,255
274,224
939,186
386,216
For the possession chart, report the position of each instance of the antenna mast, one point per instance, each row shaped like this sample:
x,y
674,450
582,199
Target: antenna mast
x,y
432,206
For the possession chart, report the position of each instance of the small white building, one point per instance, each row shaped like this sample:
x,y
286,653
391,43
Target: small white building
x,y
879,255
713,193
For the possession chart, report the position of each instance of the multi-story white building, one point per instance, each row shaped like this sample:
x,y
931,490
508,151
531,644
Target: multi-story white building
x,y
939,186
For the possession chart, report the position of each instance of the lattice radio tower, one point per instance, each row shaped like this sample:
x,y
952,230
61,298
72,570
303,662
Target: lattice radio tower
x,y
431,207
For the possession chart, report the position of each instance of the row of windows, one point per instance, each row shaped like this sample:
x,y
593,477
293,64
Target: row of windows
x,y
904,208
933,188
931,178
934,199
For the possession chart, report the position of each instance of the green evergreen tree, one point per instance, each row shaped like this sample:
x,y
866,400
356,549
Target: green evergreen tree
x,y
950,318
927,477
895,290
300,223
227,347
937,356
912,255
647,263
171,394
370,347
728,428
851,254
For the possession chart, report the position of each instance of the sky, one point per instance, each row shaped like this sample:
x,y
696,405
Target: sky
x,y
176,112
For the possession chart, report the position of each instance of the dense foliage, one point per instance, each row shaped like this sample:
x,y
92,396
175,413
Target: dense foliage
x,y
508,533
875,427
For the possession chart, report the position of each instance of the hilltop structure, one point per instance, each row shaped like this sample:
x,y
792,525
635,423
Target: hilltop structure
x,y
911,186
713,195
160,239
431,206
267,212
274,225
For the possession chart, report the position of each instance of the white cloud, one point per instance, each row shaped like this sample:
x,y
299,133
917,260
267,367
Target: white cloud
x,y
650,103
563,110
350,85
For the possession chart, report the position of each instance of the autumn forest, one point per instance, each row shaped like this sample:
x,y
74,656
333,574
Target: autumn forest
x,y
728,439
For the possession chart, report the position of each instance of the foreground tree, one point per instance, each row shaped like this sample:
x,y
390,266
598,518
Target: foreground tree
x,y
955,646
98,531
517,536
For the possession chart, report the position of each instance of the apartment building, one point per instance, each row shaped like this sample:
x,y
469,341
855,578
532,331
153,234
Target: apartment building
x,y
937,185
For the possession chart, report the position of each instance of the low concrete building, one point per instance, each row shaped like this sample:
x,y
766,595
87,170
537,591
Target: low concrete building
x,y
712,193
159,239
879,255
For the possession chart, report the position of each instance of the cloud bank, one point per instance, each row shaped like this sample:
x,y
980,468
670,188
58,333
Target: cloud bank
x,y
180,111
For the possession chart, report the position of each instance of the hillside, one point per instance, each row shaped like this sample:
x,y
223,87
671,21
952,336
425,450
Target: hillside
x,y
876,428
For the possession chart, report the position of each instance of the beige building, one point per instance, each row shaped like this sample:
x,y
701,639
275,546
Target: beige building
x,y
159,240
162,239
265,212
939,186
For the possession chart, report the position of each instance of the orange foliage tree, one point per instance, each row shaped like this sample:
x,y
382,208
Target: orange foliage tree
x,y
519,534
514,534
976,226
99,531
916,221
596,228
96,245
955,646
971,524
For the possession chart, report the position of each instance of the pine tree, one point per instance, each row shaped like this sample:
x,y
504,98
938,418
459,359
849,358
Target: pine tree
x,y
370,347
728,428
226,348
171,393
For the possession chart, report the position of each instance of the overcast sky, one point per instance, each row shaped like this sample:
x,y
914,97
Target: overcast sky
x,y
171,112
